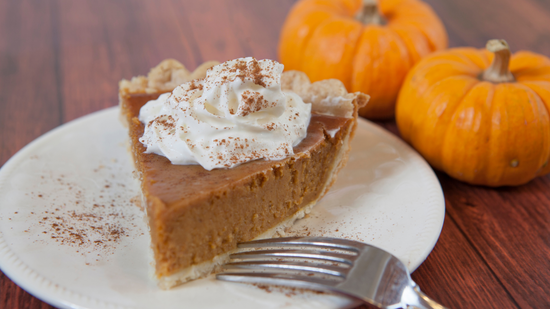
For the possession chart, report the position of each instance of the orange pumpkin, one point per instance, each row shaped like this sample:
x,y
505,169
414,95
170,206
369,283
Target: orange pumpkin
x,y
368,51
481,116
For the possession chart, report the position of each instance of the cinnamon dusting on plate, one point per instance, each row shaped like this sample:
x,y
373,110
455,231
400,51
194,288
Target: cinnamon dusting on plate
x,y
93,219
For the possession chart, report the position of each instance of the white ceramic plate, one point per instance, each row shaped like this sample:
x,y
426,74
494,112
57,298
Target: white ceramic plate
x,y
71,236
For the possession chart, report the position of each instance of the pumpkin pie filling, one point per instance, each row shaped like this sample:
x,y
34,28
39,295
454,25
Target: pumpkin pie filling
x,y
196,216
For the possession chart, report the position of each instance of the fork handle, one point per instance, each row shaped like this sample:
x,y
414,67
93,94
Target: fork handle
x,y
414,297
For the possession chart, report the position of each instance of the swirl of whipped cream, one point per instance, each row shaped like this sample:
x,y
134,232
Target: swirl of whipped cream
x,y
238,113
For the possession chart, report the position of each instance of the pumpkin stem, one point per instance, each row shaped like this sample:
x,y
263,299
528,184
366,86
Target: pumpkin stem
x,y
499,71
369,13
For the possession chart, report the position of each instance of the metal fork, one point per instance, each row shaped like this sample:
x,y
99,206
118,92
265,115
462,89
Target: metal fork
x,y
343,266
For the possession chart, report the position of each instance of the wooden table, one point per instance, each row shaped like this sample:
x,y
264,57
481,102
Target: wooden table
x,y
60,60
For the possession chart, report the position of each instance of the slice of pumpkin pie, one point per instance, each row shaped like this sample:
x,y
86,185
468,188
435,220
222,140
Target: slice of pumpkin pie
x,y
230,153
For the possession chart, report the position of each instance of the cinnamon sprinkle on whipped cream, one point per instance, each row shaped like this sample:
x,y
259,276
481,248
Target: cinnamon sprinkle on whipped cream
x,y
238,113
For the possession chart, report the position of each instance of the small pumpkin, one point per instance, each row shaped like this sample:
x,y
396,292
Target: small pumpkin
x,y
481,116
370,47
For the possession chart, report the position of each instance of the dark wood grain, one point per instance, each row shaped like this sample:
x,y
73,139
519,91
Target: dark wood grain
x,y
508,227
60,60
524,24
455,265
11,296
28,74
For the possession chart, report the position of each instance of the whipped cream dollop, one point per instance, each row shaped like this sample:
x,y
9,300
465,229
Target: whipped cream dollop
x,y
238,113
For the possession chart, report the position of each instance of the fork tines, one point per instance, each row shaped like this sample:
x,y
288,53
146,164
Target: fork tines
x,y
355,269
321,262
